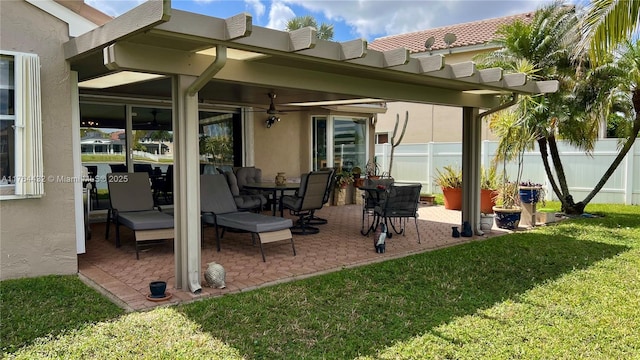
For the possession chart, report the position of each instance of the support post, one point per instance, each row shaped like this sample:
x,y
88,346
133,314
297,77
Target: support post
x,y
471,150
186,178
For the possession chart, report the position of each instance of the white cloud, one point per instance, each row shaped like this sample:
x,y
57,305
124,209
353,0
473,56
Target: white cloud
x,y
279,14
360,18
257,6
380,18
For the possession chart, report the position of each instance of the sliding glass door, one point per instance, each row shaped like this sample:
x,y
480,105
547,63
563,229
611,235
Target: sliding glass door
x,y
339,142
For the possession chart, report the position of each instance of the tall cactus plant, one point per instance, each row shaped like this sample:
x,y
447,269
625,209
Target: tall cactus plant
x,y
395,143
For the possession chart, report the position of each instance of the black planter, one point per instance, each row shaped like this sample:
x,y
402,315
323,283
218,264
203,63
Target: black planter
x,y
157,289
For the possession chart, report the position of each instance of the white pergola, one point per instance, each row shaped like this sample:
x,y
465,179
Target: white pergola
x,y
232,61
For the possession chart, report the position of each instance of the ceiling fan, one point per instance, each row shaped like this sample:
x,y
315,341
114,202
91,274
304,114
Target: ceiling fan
x,y
272,111
154,124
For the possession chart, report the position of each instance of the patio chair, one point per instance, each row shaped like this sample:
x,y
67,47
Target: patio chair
x,y
249,175
219,209
309,198
163,184
313,219
371,198
400,203
244,201
143,168
92,173
131,205
118,168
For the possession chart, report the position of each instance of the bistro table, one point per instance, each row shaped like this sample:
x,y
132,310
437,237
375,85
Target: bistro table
x,y
274,189
373,197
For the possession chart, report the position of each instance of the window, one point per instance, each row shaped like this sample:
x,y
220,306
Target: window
x,y
343,139
20,126
382,138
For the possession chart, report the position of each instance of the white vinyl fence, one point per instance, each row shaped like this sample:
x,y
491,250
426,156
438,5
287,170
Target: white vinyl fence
x,y
418,163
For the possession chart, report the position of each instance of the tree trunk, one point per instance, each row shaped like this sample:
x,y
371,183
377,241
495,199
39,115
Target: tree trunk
x,y
623,151
544,153
568,205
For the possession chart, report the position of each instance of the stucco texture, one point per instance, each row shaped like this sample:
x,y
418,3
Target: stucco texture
x,y
37,236
282,148
427,123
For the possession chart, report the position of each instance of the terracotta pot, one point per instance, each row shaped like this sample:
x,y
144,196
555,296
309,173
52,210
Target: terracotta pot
x,y
452,198
486,200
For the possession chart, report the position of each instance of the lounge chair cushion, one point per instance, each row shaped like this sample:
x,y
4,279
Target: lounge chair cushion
x,y
146,220
248,221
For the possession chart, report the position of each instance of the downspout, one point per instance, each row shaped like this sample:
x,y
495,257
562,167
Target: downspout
x,y
217,65
510,103
500,107
220,61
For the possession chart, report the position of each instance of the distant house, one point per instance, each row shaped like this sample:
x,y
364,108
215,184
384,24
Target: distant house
x,y
430,122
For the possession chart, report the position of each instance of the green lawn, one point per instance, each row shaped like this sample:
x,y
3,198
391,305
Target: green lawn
x,y
568,291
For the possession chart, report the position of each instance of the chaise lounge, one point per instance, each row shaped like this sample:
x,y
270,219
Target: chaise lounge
x,y
219,209
131,205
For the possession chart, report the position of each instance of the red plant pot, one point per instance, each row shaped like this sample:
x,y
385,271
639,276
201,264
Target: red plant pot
x,y
452,198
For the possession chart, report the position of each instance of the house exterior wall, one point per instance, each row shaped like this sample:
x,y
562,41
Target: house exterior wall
x,y
430,123
284,147
37,236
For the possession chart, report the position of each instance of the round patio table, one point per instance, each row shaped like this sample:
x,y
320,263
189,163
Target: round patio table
x,y
274,189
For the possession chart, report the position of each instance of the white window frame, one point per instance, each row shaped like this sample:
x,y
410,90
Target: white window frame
x,y
28,181
330,119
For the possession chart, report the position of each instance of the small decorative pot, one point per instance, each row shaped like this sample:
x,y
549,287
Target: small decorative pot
x,y
281,179
157,288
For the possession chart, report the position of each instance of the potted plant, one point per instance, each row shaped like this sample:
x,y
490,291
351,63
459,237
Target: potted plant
x,y
531,193
514,139
450,182
372,169
358,180
340,192
488,186
507,209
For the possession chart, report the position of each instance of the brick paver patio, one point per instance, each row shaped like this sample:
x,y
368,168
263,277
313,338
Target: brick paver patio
x,y
117,273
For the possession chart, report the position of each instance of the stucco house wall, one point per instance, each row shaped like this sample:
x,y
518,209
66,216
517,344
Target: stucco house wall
x,y
37,236
427,123
280,148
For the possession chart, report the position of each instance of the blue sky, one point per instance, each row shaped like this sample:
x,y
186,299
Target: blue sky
x,y
352,19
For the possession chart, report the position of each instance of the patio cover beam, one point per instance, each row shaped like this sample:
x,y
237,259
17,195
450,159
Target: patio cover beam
x,y
140,18
133,57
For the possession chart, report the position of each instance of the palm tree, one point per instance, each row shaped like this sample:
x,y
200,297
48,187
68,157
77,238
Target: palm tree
x,y
608,24
587,94
325,31
627,74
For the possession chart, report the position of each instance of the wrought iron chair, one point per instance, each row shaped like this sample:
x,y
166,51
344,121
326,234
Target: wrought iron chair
x,y
371,198
400,203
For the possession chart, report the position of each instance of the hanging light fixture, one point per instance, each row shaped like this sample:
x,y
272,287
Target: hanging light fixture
x,y
271,120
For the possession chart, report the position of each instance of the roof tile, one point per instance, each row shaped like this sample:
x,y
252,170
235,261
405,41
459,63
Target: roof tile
x,y
471,33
